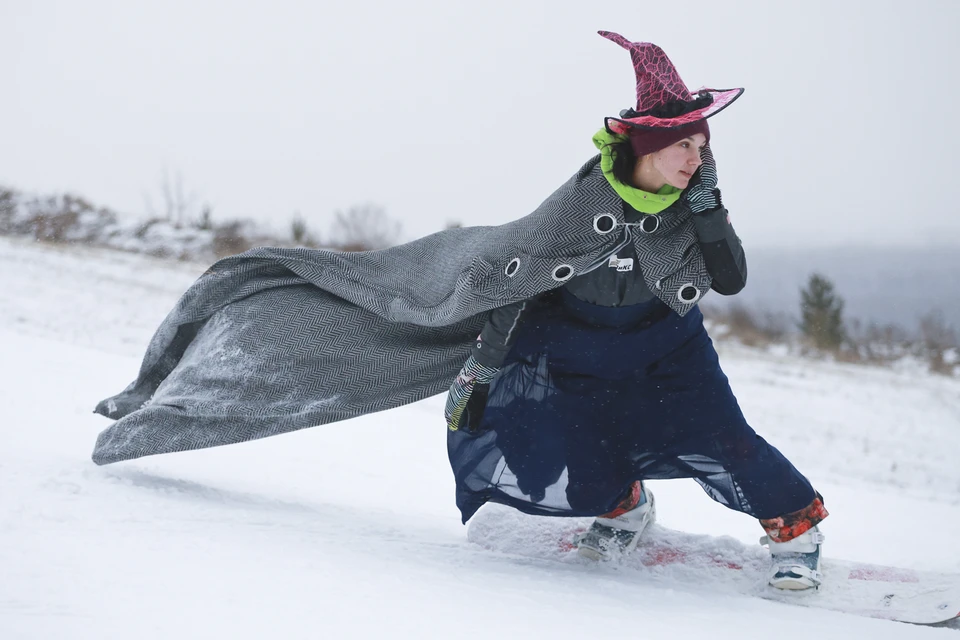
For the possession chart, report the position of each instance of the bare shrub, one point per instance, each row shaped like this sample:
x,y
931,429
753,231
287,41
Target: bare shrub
x,y
300,232
751,328
231,238
143,229
9,200
362,228
205,221
743,325
64,218
878,343
298,228
178,204
938,339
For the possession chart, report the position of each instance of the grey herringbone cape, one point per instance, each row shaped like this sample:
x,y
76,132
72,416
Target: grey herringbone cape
x,y
274,340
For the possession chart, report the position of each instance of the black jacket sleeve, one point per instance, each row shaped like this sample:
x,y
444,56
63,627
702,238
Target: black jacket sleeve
x,y
499,333
722,251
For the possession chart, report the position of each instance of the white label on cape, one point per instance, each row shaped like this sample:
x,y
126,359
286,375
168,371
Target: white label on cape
x,y
625,264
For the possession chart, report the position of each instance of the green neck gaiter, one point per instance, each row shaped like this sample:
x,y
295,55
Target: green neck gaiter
x,y
643,201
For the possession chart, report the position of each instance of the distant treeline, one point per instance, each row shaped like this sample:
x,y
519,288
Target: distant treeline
x,y
822,330
181,233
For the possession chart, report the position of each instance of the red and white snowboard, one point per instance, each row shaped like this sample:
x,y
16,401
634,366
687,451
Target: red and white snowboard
x,y
699,561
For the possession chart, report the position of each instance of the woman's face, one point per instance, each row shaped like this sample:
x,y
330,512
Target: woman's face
x,y
675,164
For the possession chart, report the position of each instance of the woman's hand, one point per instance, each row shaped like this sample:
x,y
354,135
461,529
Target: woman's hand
x,y
468,396
702,194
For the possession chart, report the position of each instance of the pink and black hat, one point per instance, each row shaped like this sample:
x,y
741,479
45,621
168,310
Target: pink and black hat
x,y
663,100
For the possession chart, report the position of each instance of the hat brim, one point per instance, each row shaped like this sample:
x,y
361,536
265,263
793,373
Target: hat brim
x,y
722,98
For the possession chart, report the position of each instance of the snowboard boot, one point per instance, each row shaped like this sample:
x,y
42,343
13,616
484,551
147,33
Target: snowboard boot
x,y
616,533
796,563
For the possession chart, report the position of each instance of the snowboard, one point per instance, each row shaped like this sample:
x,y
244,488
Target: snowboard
x,y
684,560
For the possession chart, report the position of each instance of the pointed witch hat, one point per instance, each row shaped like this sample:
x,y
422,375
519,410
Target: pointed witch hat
x,y
663,100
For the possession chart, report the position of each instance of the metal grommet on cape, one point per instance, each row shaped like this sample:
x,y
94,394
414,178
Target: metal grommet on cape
x,y
562,273
688,294
650,223
604,223
511,269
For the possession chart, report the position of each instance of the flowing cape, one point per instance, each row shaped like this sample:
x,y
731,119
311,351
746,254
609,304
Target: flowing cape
x,y
275,340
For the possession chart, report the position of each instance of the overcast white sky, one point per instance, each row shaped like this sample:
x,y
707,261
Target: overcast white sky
x,y
476,111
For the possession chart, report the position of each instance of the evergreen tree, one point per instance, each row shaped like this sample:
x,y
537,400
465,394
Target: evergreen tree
x,y
821,313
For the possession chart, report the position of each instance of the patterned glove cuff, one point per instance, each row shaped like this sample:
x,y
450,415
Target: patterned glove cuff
x,y
702,201
479,372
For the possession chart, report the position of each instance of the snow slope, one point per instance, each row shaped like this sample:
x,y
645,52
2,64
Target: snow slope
x,y
350,531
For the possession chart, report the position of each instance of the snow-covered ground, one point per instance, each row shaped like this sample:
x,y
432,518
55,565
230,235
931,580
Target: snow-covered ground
x,y
350,531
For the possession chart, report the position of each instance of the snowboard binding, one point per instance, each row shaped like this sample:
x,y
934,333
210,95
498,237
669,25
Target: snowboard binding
x,y
610,538
796,563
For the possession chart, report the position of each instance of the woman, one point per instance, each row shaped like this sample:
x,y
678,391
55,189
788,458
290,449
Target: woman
x,y
571,399
593,371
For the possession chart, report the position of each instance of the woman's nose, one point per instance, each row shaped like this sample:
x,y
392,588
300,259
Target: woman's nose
x,y
694,159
